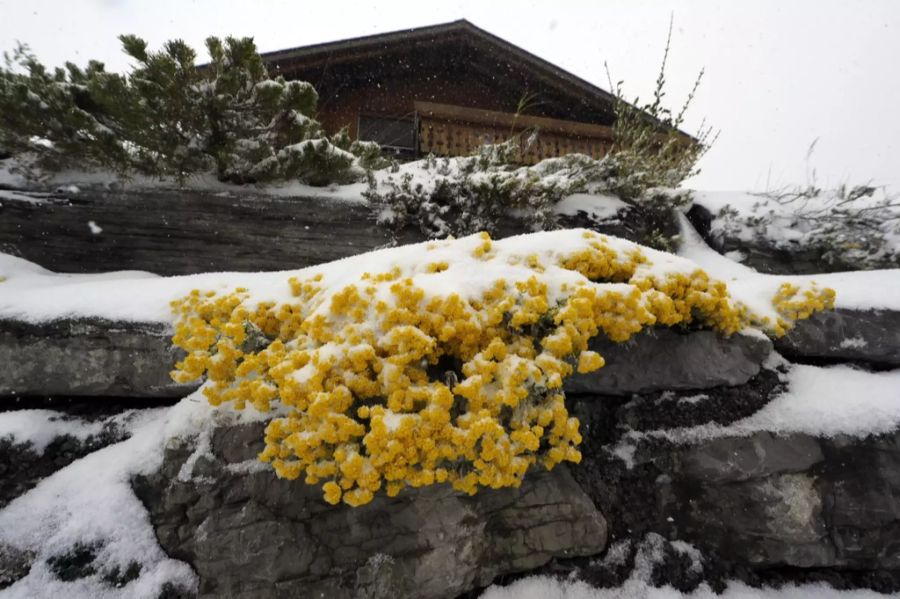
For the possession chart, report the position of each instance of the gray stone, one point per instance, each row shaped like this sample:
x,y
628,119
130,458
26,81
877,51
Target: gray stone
x,y
173,232
662,358
14,564
179,231
88,357
731,459
798,501
860,335
250,534
754,500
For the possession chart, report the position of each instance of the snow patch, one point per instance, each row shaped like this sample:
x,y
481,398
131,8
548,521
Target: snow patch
x,y
818,401
40,427
546,587
90,502
597,207
853,289
853,343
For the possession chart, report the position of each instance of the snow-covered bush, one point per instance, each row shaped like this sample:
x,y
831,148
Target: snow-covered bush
x,y
170,118
849,227
444,361
460,196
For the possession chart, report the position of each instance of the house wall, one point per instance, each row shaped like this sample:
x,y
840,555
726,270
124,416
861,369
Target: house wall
x,y
339,108
388,84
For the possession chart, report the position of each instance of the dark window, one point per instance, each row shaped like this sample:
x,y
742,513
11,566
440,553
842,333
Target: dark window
x,y
389,132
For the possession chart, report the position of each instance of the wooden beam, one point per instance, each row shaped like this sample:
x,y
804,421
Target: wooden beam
x,y
511,121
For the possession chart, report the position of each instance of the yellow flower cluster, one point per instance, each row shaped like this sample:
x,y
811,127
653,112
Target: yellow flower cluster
x,y
383,386
792,305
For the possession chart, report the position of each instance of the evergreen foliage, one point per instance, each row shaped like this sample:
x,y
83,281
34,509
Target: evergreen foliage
x,y
460,196
171,118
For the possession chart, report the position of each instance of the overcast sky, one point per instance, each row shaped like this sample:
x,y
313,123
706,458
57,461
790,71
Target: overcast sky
x,y
780,74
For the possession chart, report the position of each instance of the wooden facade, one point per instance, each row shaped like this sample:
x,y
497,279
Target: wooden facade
x,y
448,89
446,130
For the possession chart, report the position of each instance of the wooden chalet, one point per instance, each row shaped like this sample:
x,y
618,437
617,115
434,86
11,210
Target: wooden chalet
x,y
448,89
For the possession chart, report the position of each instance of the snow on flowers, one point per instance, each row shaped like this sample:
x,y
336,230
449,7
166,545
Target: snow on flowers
x,y
445,362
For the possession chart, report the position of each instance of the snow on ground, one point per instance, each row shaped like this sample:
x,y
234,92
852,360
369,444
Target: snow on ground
x,y
819,401
597,207
855,290
41,427
90,502
648,554
544,587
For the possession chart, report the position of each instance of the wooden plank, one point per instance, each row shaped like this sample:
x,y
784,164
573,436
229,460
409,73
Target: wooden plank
x,y
511,121
451,138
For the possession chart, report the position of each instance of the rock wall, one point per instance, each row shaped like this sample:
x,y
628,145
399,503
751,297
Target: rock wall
x,y
99,358
249,534
760,508
796,501
172,232
761,255
868,336
175,232
88,357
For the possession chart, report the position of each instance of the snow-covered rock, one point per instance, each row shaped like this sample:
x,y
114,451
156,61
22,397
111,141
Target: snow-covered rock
x,y
871,336
230,228
248,534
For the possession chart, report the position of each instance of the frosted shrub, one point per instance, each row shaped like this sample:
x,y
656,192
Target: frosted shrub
x,y
170,118
848,227
460,196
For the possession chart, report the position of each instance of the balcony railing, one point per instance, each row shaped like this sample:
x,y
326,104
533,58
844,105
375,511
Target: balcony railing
x,y
446,130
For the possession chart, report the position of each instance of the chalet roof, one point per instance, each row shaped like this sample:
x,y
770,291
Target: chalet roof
x,y
461,31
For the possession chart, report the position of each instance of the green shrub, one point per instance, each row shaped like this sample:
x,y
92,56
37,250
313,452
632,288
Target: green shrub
x,y
170,118
459,196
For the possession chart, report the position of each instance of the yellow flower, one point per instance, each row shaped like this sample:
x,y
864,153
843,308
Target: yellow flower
x,y
384,388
